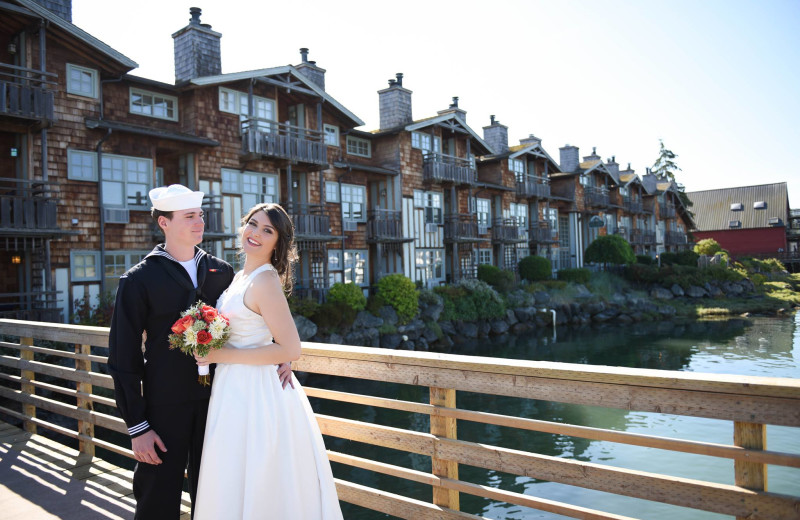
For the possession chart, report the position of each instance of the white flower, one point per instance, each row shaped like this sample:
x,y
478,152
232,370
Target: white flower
x,y
199,325
190,337
217,328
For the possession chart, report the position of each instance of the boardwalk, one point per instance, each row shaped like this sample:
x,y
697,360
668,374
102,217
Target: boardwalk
x,y
42,479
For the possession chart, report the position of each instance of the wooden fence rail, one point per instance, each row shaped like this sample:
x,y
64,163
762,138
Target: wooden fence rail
x,y
749,403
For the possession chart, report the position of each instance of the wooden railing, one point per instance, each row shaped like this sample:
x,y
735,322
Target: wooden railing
x,y
542,232
439,167
632,205
461,227
749,403
32,306
284,141
27,205
596,197
530,186
666,211
507,231
384,225
311,221
26,93
675,238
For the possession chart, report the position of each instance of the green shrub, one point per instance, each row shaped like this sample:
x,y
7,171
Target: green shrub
x,y
401,293
334,316
644,259
428,297
470,300
605,284
348,293
668,258
708,247
307,307
577,275
687,257
502,280
768,265
610,249
535,268
641,273
374,304
387,328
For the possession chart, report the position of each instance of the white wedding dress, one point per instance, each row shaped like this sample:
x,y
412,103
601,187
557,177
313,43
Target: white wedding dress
x,y
263,454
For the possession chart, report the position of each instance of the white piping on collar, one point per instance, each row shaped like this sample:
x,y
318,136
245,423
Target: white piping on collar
x,y
160,251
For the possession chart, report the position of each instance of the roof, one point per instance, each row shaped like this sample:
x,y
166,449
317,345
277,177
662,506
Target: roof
x,y
149,131
522,149
712,208
78,33
454,120
365,167
274,71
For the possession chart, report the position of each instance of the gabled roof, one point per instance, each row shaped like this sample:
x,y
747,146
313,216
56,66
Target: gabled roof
x,y
712,208
275,71
453,121
522,149
77,33
626,179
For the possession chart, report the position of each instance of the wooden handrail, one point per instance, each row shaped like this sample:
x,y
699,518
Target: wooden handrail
x,y
748,402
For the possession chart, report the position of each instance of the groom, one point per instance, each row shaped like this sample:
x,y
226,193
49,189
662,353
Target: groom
x,y
156,389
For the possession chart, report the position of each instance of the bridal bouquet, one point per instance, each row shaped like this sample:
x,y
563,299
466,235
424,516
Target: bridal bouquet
x,y
200,329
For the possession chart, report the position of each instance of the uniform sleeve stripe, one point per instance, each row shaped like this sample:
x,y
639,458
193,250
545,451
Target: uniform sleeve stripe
x,y
133,430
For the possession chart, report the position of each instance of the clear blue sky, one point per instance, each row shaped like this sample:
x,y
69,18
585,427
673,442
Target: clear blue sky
x,y
717,81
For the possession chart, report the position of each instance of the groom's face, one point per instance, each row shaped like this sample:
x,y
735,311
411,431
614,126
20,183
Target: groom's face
x,y
186,227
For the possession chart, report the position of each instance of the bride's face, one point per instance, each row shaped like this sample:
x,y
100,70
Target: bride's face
x,y
259,236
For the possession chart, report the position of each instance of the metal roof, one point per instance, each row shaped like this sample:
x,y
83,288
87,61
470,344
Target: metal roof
x,y
712,208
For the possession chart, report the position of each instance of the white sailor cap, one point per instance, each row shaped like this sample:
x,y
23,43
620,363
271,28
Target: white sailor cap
x,y
175,197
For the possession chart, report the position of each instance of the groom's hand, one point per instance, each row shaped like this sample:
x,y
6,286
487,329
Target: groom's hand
x,y
143,450
285,374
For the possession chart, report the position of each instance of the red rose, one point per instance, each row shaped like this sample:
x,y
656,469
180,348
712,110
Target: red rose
x,y
209,313
182,324
204,338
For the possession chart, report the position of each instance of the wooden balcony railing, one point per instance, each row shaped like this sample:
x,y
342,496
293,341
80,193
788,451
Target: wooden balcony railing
x,y
65,379
633,206
24,94
384,225
439,167
596,197
648,238
461,228
311,221
283,141
674,238
32,306
623,232
27,207
666,211
508,231
542,232
530,186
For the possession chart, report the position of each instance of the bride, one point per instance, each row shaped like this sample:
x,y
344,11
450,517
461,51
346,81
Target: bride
x,y
263,454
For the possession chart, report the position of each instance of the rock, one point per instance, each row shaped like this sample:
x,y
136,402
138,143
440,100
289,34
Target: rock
x,y
511,318
434,311
541,297
388,315
429,335
499,327
696,292
716,292
372,337
748,285
357,338
659,293
525,314
305,327
468,330
677,290
624,318
484,328
582,291
448,328
444,344
604,316
732,289
574,309
594,307
391,340
406,345
619,299
666,310
421,345
365,320
336,339
520,328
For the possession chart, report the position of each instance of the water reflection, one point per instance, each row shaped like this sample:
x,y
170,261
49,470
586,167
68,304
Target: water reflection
x,y
755,346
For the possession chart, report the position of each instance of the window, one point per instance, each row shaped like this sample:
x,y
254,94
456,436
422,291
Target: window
x,y
355,267
423,142
331,191
358,146
735,224
81,81
235,102
519,212
126,181
354,199
518,167
623,190
586,180
117,263
485,256
432,202
331,135
429,264
153,104
85,265
737,206
482,211
81,166
760,205
254,187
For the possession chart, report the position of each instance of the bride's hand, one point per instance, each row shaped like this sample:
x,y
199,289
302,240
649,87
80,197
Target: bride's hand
x,y
206,360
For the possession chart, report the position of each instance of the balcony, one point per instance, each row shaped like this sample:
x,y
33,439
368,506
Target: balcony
x,y
32,306
624,233
666,211
633,206
311,222
675,238
24,94
508,231
596,197
441,168
530,186
27,209
461,228
648,238
542,233
385,225
270,139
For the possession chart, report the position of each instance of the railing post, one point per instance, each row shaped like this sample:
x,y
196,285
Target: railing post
x,y
28,388
750,475
85,427
444,427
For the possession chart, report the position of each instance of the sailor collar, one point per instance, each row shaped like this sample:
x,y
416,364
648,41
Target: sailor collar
x,y
160,251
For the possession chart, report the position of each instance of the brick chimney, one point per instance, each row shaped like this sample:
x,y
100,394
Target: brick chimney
x,y
569,158
197,50
496,136
453,109
593,157
628,171
62,8
310,70
394,104
612,166
531,139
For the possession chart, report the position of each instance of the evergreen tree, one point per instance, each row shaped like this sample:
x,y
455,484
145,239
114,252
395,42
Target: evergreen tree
x,y
666,167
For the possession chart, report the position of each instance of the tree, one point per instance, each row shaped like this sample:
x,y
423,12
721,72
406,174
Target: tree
x,y
708,247
610,249
665,166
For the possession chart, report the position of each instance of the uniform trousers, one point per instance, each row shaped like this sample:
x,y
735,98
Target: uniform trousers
x,y
157,488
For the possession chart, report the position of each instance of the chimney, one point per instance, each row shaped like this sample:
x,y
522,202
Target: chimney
x,y
628,171
496,136
569,158
593,157
62,8
310,70
531,139
453,108
612,165
394,104
197,50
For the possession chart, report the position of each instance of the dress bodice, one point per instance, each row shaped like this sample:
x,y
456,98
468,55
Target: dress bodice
x,y
248,329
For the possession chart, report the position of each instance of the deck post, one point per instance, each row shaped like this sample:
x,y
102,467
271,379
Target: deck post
x,y
85,427
750,475
444,427
27,388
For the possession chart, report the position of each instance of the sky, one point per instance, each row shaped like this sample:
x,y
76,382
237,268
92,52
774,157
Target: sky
x,y
717,81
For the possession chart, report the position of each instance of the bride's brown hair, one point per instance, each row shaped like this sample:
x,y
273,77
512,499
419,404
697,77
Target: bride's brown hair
x,y
285,253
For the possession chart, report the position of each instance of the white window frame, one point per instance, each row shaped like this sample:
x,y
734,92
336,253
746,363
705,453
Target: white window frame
x,y
155,97
356,264
355,144
73,260
483,212
117,170
433,204
485,256
422,141
85,171
517,166
236,102
78,89
332,192
430,261
354,202
331,133
131,258
519,212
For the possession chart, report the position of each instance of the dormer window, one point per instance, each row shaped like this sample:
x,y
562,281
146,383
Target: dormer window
x,y
734,224
737,206
760,205
775,222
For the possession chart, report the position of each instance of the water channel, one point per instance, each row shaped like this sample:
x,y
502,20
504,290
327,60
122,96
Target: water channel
x,y
753,346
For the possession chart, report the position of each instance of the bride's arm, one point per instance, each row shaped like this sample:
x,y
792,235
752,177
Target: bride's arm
x,y
265,296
